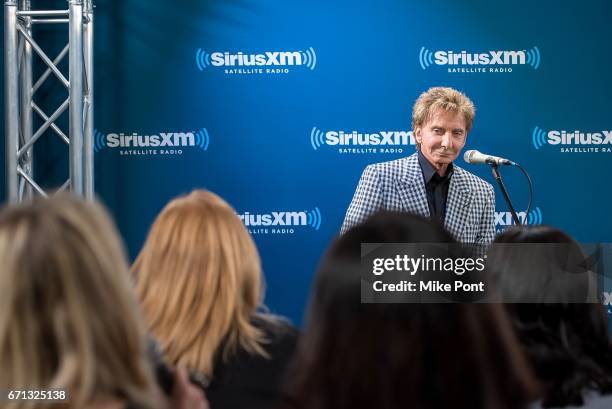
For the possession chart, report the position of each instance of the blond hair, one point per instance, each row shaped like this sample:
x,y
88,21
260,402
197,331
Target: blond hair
x,y
68,315
445,99
199,282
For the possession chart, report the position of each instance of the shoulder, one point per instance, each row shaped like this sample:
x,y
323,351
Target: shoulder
x,y
253,371
394,169
248,380
472,181
281,337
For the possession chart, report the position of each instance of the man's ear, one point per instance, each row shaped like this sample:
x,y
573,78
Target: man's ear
x,y
417,134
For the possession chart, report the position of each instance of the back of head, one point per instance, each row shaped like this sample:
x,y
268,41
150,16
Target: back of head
x,y
562,328
541,264
68,318
199,282
401,355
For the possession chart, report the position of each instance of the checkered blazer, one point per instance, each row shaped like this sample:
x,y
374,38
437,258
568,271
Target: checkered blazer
x,y
399,186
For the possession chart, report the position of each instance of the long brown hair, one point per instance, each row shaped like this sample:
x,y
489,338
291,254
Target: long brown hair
x,y
68,315
199,281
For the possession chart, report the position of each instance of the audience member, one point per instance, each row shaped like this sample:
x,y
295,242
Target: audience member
x,y
567,342
68,316
199,281
355,355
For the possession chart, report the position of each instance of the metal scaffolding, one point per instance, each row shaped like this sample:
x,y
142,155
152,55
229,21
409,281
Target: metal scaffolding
x,y
19,90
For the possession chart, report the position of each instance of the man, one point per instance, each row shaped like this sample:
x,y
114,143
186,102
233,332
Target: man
x,y
428,183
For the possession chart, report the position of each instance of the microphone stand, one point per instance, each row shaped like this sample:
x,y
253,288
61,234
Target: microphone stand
x,y
502,187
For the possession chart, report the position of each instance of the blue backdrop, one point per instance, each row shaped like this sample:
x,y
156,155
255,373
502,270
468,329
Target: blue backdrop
x,y
254,100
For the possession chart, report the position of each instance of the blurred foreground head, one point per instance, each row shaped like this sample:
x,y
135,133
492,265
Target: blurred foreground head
x,y
402,355
541,264
68,317
567,341
199,282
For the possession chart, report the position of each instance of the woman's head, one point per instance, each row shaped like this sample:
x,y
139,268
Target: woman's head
x,y
68,317
199,281
402,355
557,316
540,264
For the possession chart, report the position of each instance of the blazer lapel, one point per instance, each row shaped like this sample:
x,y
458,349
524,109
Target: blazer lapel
x,y
411,188
457,204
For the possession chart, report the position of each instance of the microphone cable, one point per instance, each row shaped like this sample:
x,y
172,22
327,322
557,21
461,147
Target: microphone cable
x,y
530,191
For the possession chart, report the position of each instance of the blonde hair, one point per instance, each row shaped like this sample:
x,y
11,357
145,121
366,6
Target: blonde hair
x,y
68,315
199,282
445,99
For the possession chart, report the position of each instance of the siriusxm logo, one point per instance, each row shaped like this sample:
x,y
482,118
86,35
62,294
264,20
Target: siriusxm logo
x,y
568,140
504,219
361,142
258,63
464,59
282,222
163,143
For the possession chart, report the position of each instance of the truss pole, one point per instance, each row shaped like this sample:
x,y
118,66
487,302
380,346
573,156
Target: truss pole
x,y
11,99
25,77
88,150
75,55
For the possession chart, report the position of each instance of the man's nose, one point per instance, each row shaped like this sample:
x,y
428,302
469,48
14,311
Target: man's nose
x,y
446,140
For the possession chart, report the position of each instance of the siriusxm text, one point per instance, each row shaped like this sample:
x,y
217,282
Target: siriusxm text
x,y
220,59
381,138
275,219
505,218
488,58
114,140
579,138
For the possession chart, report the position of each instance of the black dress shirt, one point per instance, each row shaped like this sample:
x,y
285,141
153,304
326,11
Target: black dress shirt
x,y
436,187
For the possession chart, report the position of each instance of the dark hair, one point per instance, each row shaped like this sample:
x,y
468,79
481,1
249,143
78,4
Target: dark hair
x,y
567,343
355,355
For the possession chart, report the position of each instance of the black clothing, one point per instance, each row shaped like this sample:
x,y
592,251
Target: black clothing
x,y
436,187
252,381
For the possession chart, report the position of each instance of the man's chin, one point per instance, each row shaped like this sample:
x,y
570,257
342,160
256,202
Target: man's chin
x,y
445,159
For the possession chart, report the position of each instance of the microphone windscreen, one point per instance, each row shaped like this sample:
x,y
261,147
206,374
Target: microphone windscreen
x,y
467,156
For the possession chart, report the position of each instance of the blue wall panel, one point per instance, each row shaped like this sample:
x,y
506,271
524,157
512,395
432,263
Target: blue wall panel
x,y
255,138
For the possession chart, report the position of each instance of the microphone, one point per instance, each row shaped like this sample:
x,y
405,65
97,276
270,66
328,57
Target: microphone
x,y
474,157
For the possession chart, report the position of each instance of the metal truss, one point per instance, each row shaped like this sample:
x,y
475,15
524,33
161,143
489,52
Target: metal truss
x,y
19,90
